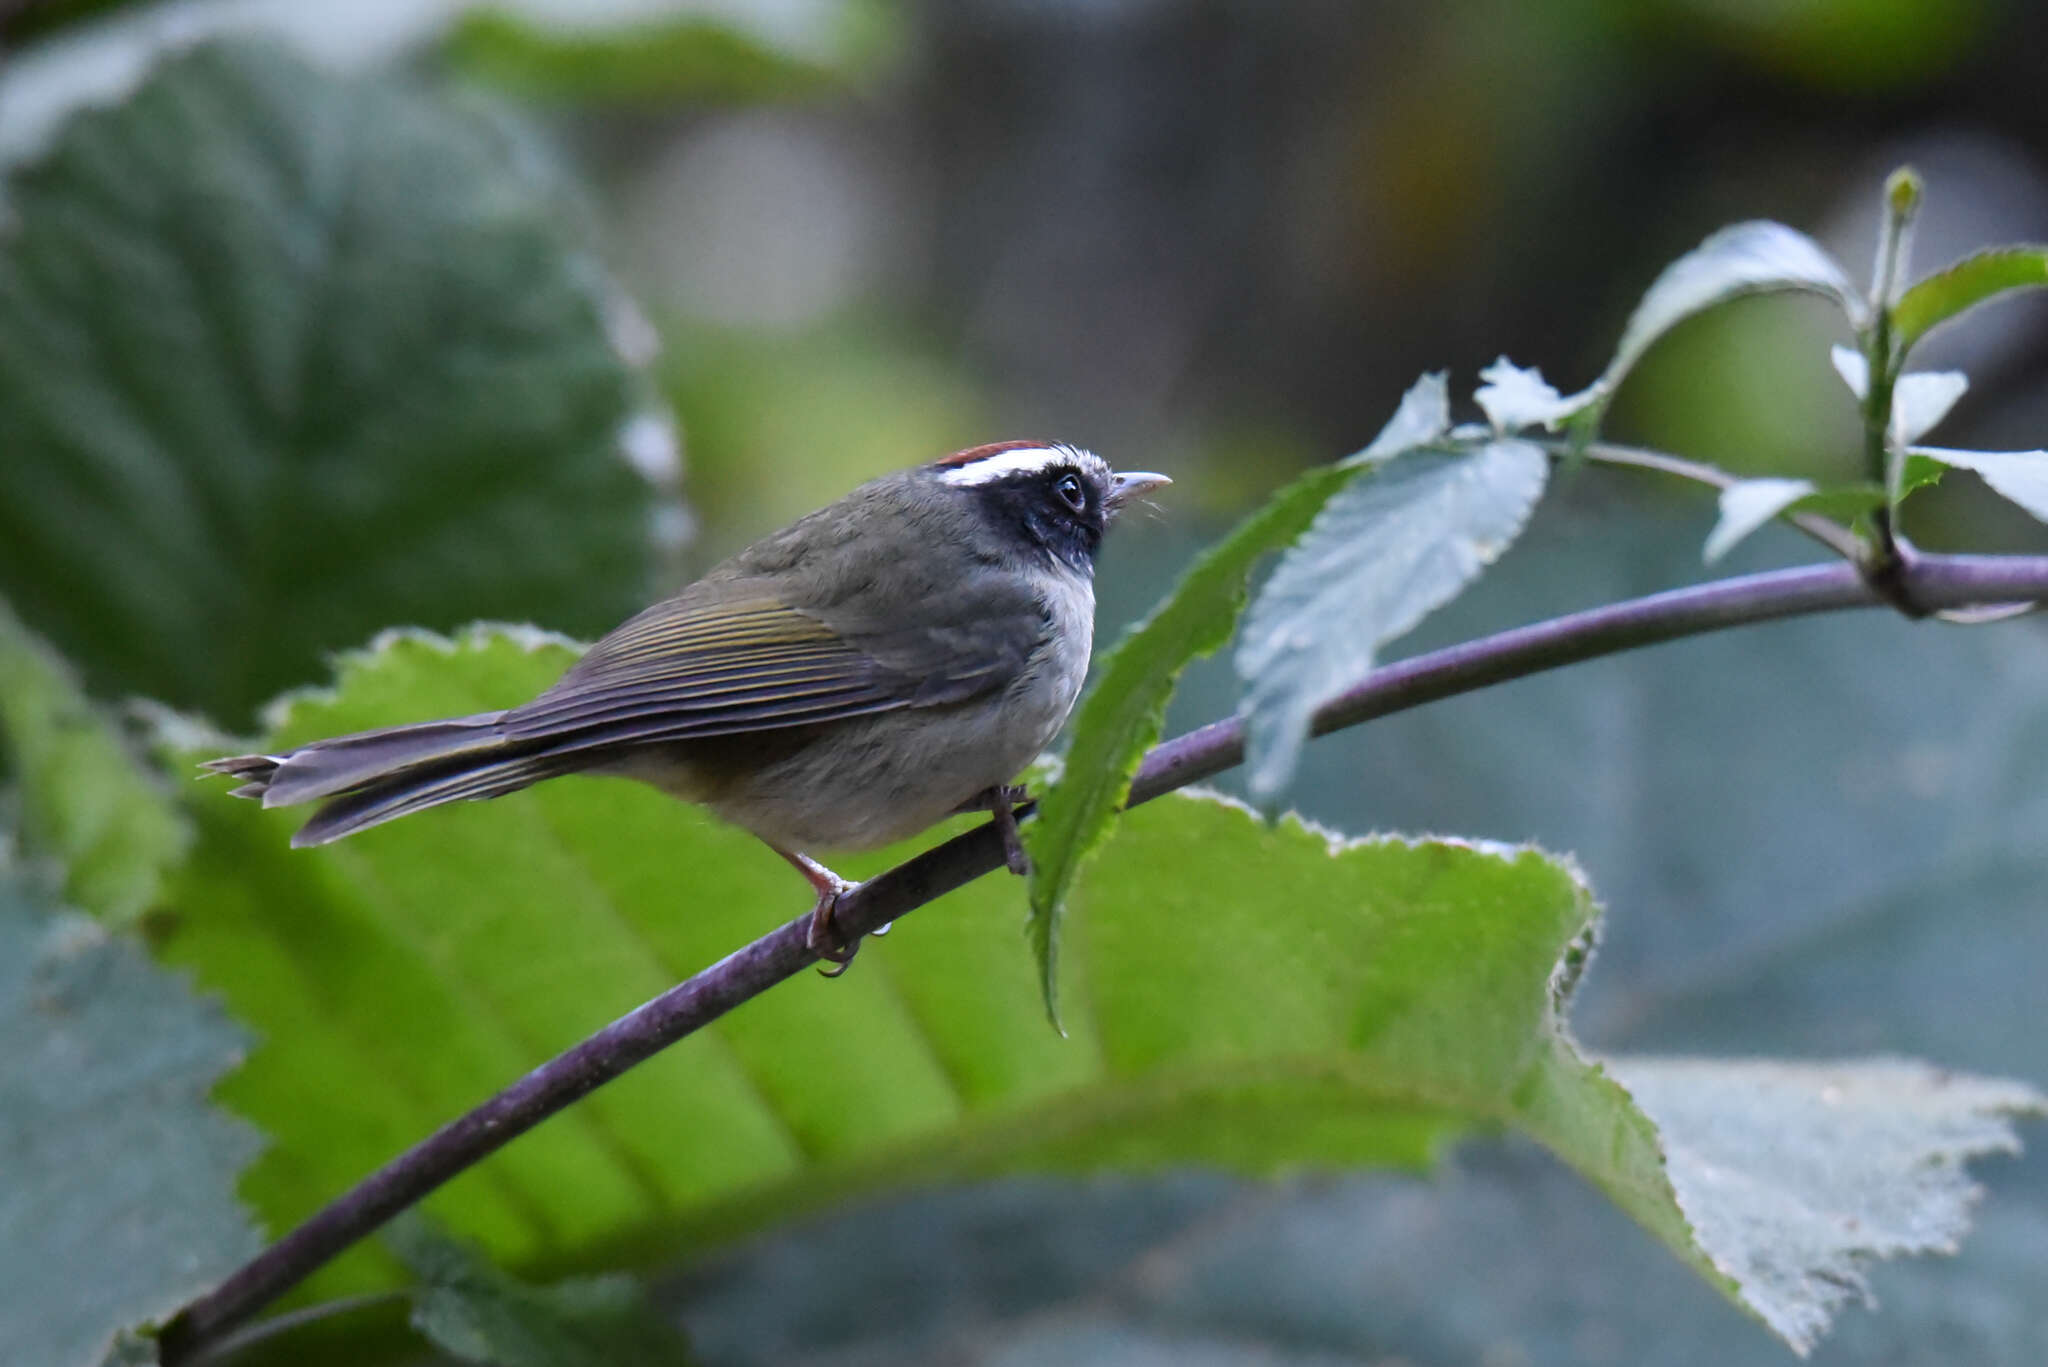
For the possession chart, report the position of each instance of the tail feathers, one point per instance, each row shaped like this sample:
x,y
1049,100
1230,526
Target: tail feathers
x,y
340,765
375,776
429,785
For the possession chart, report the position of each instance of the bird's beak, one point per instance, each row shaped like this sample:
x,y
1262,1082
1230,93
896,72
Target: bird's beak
x,y
1131,483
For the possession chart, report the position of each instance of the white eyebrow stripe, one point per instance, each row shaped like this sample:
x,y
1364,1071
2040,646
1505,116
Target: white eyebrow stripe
x,y
1031,460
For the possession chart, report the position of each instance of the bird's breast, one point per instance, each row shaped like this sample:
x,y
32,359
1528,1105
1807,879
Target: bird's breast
x,y
870,781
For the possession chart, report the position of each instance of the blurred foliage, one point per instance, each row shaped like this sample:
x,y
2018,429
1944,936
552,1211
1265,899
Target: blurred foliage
x,y
779,425
689,55
84,803
1843,45
265,389
119,1199
472,1311
37,17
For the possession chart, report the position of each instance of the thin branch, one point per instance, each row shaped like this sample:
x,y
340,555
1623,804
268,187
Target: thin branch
x,y
1934,581
1826,531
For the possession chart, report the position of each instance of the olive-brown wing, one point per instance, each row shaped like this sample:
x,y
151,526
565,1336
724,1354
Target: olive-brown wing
x,y
722,663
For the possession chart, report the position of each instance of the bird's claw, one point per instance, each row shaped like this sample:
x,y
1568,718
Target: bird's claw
x,y
1001,800
825,938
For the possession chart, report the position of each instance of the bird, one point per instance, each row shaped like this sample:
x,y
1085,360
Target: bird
x,y
885,662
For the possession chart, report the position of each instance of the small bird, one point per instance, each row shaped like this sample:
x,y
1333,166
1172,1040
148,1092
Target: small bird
x,y
871,669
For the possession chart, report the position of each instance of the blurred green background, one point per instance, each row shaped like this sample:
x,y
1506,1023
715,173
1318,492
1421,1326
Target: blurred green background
x,y
1219,240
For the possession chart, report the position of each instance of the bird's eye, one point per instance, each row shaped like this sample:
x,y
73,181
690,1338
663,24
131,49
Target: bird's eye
x,y
1068,487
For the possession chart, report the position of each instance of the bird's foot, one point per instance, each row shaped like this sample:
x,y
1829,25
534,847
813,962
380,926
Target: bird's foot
x,y
1001,802
825,938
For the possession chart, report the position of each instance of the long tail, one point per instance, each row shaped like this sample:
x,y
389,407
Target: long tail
x,y
375,776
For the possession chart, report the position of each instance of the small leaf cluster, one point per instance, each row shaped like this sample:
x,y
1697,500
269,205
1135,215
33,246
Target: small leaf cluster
x,y
1407,523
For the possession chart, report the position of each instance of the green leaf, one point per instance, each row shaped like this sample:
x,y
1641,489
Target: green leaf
x,y
2021,476
684,53
472,1311
1747,505
118,1202
83,800
1121,716
1960,287
1381,555
286,357
131,1349
1757,257
1256,998
1917,472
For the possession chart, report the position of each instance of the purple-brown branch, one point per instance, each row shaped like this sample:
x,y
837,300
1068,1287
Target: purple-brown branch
x,y
1930,582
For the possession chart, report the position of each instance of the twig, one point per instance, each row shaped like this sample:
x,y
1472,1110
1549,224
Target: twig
x,y
1936,581
1826,531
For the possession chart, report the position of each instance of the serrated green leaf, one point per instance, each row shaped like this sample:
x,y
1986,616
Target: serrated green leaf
x,y
684,53
286,357
1256,998
1381,555
1121,716
1969,282
474,1312
1757,257
118,1196
84,800
2021,476
1747,505
1916,472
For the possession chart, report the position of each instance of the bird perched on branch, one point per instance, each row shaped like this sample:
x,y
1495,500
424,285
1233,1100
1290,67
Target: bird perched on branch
x,y
888,661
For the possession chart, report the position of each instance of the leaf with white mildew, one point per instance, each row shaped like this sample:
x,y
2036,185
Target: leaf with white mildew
x,y
1748,505
1758,257
1795,1177
1854,368
1921,400
1381,555
2021,476
1516,397
1423,417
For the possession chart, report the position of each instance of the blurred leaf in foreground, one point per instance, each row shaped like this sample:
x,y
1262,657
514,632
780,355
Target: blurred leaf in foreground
x,y
1251,998
472,1311
285,358
117,1174
675,50
84,800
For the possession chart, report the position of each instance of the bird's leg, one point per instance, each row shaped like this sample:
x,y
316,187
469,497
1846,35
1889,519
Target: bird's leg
x,y
825,938
998,801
